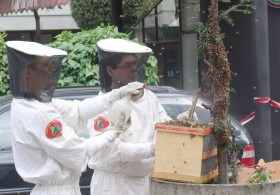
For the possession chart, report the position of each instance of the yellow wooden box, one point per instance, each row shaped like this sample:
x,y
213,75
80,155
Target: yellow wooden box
x,y
185,154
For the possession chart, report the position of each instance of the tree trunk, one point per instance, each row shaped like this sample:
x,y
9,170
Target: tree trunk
x,y
117,18
218,79
38,28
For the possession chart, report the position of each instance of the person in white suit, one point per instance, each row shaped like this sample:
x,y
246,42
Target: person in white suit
x,y
46,148
124,167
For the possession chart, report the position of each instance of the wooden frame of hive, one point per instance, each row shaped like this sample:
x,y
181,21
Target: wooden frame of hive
x,y
185,154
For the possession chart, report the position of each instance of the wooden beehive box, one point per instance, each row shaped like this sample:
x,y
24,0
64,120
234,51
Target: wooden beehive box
x,y
185,154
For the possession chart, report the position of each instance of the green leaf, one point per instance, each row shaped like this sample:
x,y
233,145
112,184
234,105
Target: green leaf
x,y
82,56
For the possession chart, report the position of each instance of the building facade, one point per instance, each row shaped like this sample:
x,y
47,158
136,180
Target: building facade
x,y
22,26
169,29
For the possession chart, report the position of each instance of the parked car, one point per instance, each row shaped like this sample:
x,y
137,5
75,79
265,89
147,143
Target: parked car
x,y
174,101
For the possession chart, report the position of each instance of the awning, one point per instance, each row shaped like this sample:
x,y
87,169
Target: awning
x,y
13,6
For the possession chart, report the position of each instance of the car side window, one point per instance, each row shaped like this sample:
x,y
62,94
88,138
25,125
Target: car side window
x,y
173,110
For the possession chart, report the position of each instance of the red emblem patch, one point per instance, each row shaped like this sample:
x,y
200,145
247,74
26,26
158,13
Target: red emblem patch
x,y
100,123
54,129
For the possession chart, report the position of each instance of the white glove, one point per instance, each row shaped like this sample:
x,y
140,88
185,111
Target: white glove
x,y
120,127
185,116
129,89
130,152
96,143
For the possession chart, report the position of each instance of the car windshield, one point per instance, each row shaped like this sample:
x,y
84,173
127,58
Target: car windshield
x,y
5,139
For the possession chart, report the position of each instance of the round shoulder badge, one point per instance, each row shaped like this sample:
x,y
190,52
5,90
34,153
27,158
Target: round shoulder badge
x,y
54,129
274,3
100,123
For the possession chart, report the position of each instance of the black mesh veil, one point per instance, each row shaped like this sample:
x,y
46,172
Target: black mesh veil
x,y
34,69
110,52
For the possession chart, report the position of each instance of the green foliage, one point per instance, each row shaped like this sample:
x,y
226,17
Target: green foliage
x,y
151,77
261,175
132,11
80,67
202,30
243,6
222,135
89,14
4,76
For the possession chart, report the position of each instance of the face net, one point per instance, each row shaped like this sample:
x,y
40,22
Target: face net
x,y
111,52
33,76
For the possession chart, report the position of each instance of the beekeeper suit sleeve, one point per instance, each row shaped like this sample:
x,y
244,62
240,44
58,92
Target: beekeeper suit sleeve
x,y
77,113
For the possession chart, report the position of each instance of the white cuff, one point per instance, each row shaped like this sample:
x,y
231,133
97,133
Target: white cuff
x,y
134,152
94,144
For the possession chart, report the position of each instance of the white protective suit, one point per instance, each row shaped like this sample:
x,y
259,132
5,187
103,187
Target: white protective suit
x,y
124,167
54,163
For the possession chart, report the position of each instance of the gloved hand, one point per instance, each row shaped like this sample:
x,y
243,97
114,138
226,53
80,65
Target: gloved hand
x,y
131,152
135,97
129,89
120,127
185,116
96,143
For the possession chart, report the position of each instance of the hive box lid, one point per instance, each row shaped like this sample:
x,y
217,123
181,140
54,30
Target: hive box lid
x,y
188,130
